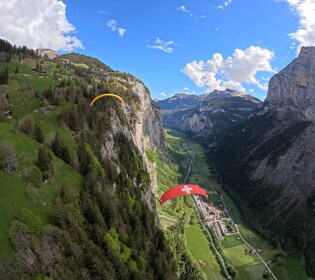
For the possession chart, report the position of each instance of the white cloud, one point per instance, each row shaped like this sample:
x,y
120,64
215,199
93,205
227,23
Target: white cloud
x,y
37,24
224,5
305,9
183,9
164,46
232,72
113,26
163,94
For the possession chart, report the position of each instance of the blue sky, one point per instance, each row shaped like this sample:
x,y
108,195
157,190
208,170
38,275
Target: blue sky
x,y
173,46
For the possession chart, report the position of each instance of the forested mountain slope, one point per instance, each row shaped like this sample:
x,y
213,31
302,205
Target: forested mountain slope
x,y
75,183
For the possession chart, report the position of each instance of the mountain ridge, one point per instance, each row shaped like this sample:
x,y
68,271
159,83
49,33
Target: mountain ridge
x,y
207,115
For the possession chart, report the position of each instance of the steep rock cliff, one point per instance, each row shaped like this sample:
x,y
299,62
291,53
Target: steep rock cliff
x,y
268,161
291,96
144,125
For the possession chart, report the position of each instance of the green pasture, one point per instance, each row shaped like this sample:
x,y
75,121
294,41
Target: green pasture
x,y
238,256
198,245
231,241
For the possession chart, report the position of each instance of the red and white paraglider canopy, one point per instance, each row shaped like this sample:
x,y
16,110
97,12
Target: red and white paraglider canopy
x,y
182,190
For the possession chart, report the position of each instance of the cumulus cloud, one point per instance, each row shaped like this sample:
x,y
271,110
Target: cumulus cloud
x,y
113,26
232,72
305,9
163,94
164,46
37,24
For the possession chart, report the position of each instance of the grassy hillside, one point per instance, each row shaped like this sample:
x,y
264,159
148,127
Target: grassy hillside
x,y
67,211
16,192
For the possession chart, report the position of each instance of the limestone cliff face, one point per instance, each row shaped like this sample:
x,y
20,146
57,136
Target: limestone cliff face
x,y
144,127
147,132
291,96
293,88
148,120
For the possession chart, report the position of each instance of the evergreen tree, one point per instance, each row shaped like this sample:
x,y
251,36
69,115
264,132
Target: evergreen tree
x,y
60,149
4,76
38,134
57,146
44,163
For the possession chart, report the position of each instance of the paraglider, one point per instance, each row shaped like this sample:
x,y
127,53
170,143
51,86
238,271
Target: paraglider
x,y
182,190
106,94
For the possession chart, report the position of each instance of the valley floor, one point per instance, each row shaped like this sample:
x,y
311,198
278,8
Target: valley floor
x,y
227,225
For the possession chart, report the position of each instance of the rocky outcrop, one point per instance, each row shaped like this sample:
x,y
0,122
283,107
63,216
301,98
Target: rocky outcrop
x,y
50,54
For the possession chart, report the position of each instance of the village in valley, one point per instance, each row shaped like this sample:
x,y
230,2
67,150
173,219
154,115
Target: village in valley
x,y
219,218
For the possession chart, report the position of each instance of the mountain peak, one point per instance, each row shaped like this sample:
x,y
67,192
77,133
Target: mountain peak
x,y
306,52
292,89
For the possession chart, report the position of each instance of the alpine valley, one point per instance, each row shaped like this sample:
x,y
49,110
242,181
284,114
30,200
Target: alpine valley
x,y
264,153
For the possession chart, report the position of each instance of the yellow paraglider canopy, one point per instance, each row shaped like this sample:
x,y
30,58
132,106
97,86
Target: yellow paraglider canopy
x,y
106,94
